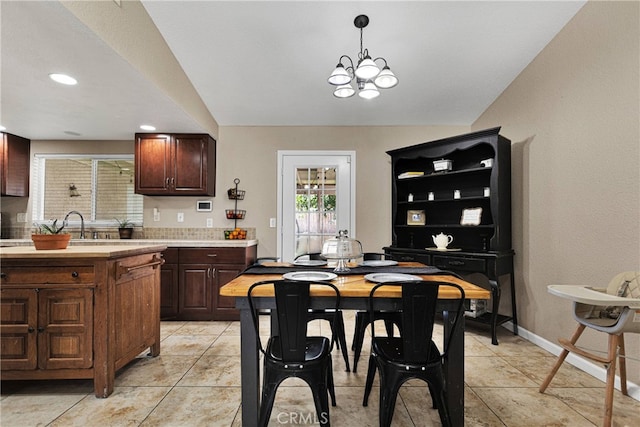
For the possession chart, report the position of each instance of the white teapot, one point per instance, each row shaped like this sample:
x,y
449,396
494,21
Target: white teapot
x,y
442,240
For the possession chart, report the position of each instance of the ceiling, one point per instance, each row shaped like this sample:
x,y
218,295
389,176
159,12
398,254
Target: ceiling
x,y
266,63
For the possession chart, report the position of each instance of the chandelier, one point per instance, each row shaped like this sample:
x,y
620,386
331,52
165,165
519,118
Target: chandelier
x,y
367,75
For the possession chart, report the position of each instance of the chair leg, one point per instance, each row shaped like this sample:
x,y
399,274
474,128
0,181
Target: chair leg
x,y
358,340
371,374
561,357
623,365
341,338
330,383
611,377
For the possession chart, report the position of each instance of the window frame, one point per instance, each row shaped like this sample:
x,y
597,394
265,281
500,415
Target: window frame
x,y
38,179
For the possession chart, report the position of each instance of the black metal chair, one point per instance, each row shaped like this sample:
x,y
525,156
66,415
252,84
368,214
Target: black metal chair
x,y
362,319
414,355
336,322
290,352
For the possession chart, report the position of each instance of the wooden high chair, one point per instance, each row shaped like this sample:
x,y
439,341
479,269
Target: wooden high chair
x,y
614,310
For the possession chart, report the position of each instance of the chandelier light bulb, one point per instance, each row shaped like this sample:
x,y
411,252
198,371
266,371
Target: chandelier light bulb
x,y
339,76
367,69
369,91
344,91
386,79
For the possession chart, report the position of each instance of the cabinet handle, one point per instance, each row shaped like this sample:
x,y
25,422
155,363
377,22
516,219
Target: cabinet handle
x,y
212,255
456,262
3,275
30,330
74,274
121,270
41,329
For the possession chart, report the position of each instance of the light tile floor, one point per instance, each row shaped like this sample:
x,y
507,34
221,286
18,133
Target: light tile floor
x,y
196,382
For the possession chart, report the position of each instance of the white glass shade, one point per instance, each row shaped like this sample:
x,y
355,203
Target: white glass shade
x,y
386,79
344,91
369,91
339,76
367,69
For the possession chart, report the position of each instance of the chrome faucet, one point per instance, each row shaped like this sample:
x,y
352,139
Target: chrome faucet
x,y
81,222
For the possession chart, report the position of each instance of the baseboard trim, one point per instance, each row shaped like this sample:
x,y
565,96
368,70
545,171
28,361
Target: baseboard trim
x,y
583,364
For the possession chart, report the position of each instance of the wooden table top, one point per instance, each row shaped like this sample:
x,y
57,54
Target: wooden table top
x,y
351,286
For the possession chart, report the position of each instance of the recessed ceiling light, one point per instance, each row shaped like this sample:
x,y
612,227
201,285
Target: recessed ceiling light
x,y
147,127
63,78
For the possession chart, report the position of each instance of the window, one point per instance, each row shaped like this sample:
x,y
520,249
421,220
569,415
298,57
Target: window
x,y
101,188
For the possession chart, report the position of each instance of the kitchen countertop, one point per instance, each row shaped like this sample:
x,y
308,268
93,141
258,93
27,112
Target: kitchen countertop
x,y
173,243
95,251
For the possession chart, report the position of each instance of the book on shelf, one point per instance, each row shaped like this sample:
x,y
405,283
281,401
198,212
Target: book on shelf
x,y
405,175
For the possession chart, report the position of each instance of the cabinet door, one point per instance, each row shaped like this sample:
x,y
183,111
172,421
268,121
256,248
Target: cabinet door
x,y
169,291
65,328
225,307
153,164
18,325
194,165
14,165
196,292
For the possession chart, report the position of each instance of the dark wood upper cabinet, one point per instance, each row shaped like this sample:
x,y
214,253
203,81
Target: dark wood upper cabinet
x,y
175,164
14,165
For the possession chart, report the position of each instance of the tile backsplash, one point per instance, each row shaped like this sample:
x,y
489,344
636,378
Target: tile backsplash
x,y
138,233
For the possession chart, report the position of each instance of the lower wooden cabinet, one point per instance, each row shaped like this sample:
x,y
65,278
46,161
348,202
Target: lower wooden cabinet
x,y
46,328
82,315
192,278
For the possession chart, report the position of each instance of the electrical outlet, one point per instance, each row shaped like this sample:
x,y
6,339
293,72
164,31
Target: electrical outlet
x,y
272,222
180,216
21,217
156,214
209,222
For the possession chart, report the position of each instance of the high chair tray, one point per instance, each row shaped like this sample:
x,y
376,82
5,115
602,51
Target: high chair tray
x,y
588,295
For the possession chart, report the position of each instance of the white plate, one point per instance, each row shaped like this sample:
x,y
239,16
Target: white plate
x,y
310,262
378,263
390,277
309,275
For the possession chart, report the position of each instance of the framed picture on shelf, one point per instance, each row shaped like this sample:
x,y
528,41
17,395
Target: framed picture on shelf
x,y
471,216
415,217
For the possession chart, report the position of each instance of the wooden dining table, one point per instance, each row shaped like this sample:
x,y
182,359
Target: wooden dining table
x,y
354,293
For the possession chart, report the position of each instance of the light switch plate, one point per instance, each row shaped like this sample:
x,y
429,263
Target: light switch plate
x,y
209,222
272,222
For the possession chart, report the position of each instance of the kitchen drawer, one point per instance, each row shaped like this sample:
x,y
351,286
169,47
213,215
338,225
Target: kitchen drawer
x,y
47,275
212,256
459,263
171,255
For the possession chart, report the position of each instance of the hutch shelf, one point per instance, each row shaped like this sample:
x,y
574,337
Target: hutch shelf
x,y
459,186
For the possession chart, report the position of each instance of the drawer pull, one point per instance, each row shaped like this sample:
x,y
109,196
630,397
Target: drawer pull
x,y
212,255
155,262
74,274
456,262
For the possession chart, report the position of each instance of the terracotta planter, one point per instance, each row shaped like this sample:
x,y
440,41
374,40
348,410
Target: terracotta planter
x,y
50,241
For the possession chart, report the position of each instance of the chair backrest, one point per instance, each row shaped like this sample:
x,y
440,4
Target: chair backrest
x,y
370,256
292,304
419,300
311,256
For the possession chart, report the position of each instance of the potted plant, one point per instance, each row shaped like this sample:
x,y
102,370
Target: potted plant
x,y
125,228
51,236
